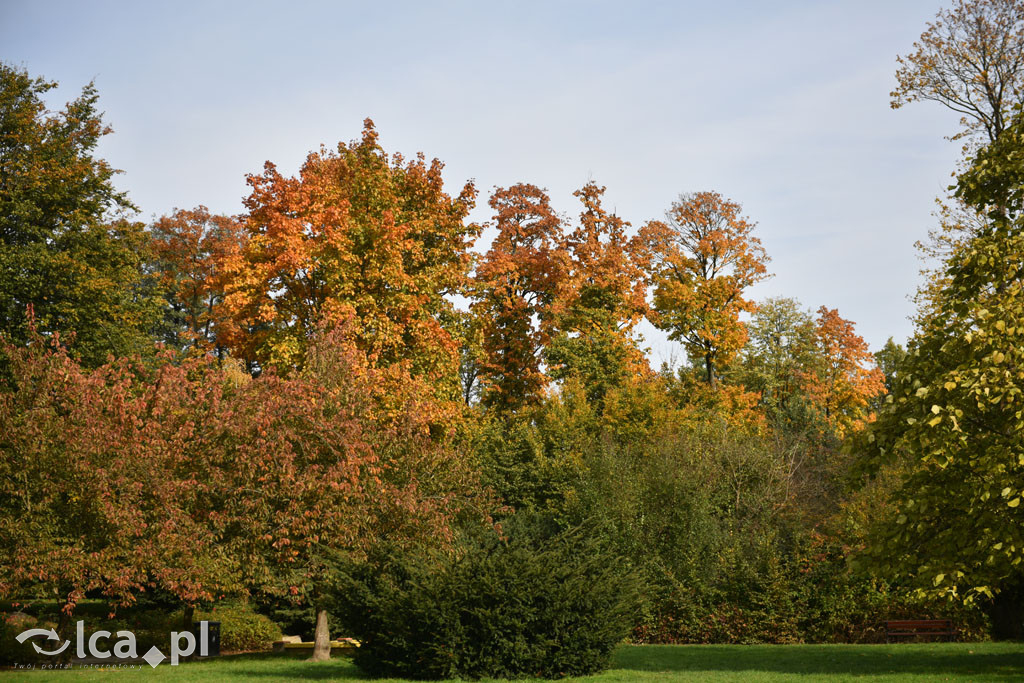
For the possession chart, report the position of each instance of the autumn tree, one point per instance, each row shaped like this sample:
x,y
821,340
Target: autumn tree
x,y
67,249
97,479
190,250
845,380
994,184
315,468
602,301
355,236
517,286
198,481
701,262
970,60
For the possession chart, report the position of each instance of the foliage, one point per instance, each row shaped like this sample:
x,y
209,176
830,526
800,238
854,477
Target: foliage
x,y
994,183
604,299
844,382
955,413
97,479
782,344
356,237
11,651
701,262
242,629
530,604
517,285
68,255
971,60
190,249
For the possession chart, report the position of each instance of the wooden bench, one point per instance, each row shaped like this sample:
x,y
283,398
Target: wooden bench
x,y
912,628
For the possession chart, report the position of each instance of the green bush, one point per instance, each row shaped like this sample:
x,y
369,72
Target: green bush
x,y
241,628
533,604
11,651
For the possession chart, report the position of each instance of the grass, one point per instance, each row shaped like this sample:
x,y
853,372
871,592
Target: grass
x,y
861,663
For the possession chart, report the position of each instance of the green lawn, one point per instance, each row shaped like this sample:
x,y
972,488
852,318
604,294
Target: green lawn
x,y
904,662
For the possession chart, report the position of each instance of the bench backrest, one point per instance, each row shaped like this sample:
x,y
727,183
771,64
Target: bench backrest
x,y
919,624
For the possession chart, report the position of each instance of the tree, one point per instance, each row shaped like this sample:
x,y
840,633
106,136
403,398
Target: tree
x,y
318,467
198,481
953,421
190,250
66,248
517,286
994,184
702,260
782,344
843,384
603,299
356,236
97,485
970,60
889,360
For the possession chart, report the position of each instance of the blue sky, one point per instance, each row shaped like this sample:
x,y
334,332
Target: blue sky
x,y
782,106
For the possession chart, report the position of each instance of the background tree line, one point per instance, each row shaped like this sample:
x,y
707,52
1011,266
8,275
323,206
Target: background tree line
x,y
256,406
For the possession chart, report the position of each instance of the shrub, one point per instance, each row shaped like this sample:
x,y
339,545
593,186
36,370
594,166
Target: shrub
x,y
242,629
11,651
533,604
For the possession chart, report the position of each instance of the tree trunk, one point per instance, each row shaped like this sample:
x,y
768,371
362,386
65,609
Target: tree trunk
x,y
186,621
66,632
1006,611
710,365
321,639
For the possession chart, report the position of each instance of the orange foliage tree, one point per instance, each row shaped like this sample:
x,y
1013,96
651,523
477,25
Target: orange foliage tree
x,y
517,285
356,236
845,379
603,300
191,248
701,261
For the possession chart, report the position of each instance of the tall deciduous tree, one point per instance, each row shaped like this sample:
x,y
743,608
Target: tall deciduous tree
x,y
517,286
191,248
66,249
702,261
954,422
782,344
846,379
603,300
359,236
971,60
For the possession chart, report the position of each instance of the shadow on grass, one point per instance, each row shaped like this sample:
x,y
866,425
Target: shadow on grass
x,y
284,667
966,659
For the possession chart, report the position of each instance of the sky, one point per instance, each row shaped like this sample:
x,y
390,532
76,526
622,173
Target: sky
x,y
780,106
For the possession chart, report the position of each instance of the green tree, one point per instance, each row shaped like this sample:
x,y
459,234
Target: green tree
x,y
782,344
67,251
955,411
